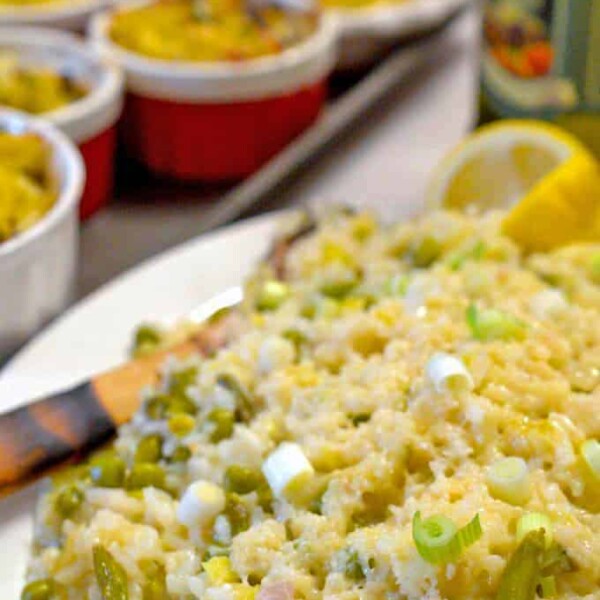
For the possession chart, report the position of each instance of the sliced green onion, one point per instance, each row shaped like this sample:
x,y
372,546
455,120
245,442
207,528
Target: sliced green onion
x,y
475,253
590,452
438,540
470,533
548,586
448,373
110,575
522,573
508,480
532,522
272,295
493,324
397,285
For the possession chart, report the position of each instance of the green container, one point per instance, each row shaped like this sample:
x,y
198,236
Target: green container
x,y
541,60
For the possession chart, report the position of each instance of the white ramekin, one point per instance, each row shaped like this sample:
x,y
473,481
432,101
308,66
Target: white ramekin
x,y
89,122
367,33
38,266
68,14
218,120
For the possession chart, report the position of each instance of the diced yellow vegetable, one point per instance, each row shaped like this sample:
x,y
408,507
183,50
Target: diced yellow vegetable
x,y
218,570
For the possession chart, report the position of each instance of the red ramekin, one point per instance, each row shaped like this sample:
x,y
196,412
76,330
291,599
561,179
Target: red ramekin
x,y
91,121
220,120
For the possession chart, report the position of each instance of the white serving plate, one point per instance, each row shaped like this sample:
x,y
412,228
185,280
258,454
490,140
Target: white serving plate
x,y
94,335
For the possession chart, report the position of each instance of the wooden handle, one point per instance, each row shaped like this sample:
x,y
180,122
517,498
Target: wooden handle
x,y
49,431
57,428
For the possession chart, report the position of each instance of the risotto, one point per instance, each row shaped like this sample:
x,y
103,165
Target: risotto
x,y
408,412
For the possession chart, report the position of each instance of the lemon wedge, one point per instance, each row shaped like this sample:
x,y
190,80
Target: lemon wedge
x,y
547,178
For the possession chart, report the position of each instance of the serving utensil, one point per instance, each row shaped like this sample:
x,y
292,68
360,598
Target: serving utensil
x,y
66,425
69,423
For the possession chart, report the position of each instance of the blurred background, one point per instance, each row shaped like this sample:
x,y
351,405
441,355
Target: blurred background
x,y
187,115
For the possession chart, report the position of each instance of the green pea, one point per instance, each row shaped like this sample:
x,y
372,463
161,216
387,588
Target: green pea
x,y
110,575
147,338
265,497
242,480
181,380
181,425
41,589
156,407
223,421
425,252
180,404
237,513
149,449
180,454
309,310
352,566
296,337
340,287
108,471
145,475
71,475
359,418
272,295
68,501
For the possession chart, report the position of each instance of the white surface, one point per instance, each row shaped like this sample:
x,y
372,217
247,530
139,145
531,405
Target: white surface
x,y
100,108
37,267
95,336
386,165
367,33
221,81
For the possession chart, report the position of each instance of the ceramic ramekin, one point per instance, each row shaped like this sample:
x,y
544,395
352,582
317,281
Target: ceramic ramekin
x,y
366,34
38,266
66,14
91,121
221,120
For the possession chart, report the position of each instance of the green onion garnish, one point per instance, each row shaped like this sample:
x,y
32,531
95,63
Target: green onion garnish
x,y
508,480
477,252
492,324
438,540
590,452
547,586
397,285
533,522
522,573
